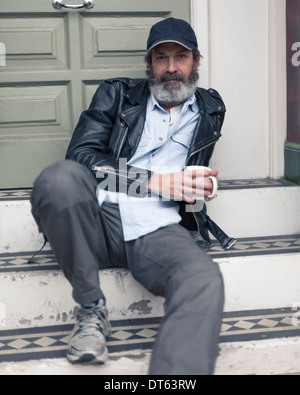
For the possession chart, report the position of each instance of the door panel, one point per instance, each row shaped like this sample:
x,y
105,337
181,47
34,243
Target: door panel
x,y
55,61
29,110
34,42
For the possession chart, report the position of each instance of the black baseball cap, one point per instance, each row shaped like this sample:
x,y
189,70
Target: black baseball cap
x,y
172,30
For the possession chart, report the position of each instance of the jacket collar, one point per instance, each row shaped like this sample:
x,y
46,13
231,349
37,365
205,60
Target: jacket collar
x,y
210,101
139,93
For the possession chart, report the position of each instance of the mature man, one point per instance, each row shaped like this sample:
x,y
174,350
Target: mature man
x,y
144,134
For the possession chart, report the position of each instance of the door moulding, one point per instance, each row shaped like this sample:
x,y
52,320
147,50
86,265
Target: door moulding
x,y
277,86
200,15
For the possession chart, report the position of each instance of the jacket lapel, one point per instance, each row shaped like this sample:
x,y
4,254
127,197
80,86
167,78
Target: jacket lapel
x,y
134,113
208,130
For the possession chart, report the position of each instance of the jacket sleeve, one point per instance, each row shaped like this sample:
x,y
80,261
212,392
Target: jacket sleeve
x,y
90,142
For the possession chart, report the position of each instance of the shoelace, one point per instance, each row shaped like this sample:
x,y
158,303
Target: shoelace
x,y
90,319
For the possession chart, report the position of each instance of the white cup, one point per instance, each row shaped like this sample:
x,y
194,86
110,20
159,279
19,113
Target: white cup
x,y
199,204
214,180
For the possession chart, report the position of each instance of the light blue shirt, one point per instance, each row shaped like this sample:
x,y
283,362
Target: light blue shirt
x,y
163,149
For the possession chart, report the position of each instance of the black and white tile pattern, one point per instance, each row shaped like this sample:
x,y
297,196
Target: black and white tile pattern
x,y
139,334
244,247
19,262
255,183
259,246
24,194
15,194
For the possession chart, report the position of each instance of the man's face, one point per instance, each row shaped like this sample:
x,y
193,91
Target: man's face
x,y
172,73
172,58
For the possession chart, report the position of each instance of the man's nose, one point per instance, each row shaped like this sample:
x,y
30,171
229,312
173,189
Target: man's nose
x,y
172,66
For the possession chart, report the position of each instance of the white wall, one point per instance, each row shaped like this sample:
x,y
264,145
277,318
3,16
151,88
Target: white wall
x,y
235,38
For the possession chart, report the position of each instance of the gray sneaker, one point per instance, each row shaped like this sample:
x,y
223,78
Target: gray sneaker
x,y
87,344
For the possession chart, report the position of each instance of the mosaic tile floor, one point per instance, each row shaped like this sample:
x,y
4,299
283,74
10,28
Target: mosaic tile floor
x,y
244,247
24,194
51,342
15,194
256,183
259,246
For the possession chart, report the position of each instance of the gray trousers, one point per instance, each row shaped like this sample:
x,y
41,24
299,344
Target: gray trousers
x,y
168,263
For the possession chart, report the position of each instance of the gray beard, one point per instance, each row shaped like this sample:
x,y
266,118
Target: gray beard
x,y
174,93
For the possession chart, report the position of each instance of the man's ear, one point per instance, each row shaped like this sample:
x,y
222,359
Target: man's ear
x,y
149,64
197,62
148,59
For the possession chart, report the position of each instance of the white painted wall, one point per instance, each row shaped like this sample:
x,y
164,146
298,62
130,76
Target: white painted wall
x,y
244,59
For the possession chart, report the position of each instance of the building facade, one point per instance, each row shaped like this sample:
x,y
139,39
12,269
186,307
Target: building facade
x,y
55,59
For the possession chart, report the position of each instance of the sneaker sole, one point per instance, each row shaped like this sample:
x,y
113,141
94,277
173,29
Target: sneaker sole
x,y
88,358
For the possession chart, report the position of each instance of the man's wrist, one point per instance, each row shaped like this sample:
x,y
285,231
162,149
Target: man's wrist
x,y
155,184
161,185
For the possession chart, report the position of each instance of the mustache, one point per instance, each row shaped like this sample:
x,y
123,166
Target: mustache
x,y
172,77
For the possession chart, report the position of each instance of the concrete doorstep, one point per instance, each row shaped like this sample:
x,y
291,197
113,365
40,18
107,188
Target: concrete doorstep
x,y
277,213
251,283
265,357
259,275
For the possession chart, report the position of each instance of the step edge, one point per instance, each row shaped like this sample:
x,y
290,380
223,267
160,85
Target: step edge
x,y
224,185
132,327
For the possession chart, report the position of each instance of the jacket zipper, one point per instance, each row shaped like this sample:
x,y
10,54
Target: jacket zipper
x,y
122,143
109,171
201,149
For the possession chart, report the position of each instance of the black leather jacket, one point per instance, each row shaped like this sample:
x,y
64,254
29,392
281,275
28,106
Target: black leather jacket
x,y
112,127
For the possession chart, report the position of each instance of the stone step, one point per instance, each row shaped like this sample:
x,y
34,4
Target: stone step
x,y
253,342
258,210
260,331
263,357
261,321
244,208
259,273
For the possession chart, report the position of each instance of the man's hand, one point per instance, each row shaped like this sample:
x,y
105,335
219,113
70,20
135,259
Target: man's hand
x,y
187,186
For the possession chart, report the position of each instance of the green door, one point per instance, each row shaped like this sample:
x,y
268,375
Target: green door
x,y
55,59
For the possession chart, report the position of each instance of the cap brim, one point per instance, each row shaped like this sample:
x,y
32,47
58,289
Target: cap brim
x,y
171,41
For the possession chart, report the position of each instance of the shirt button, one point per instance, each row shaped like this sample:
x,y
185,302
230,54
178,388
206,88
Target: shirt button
x,y
165,120
153,156
161,139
